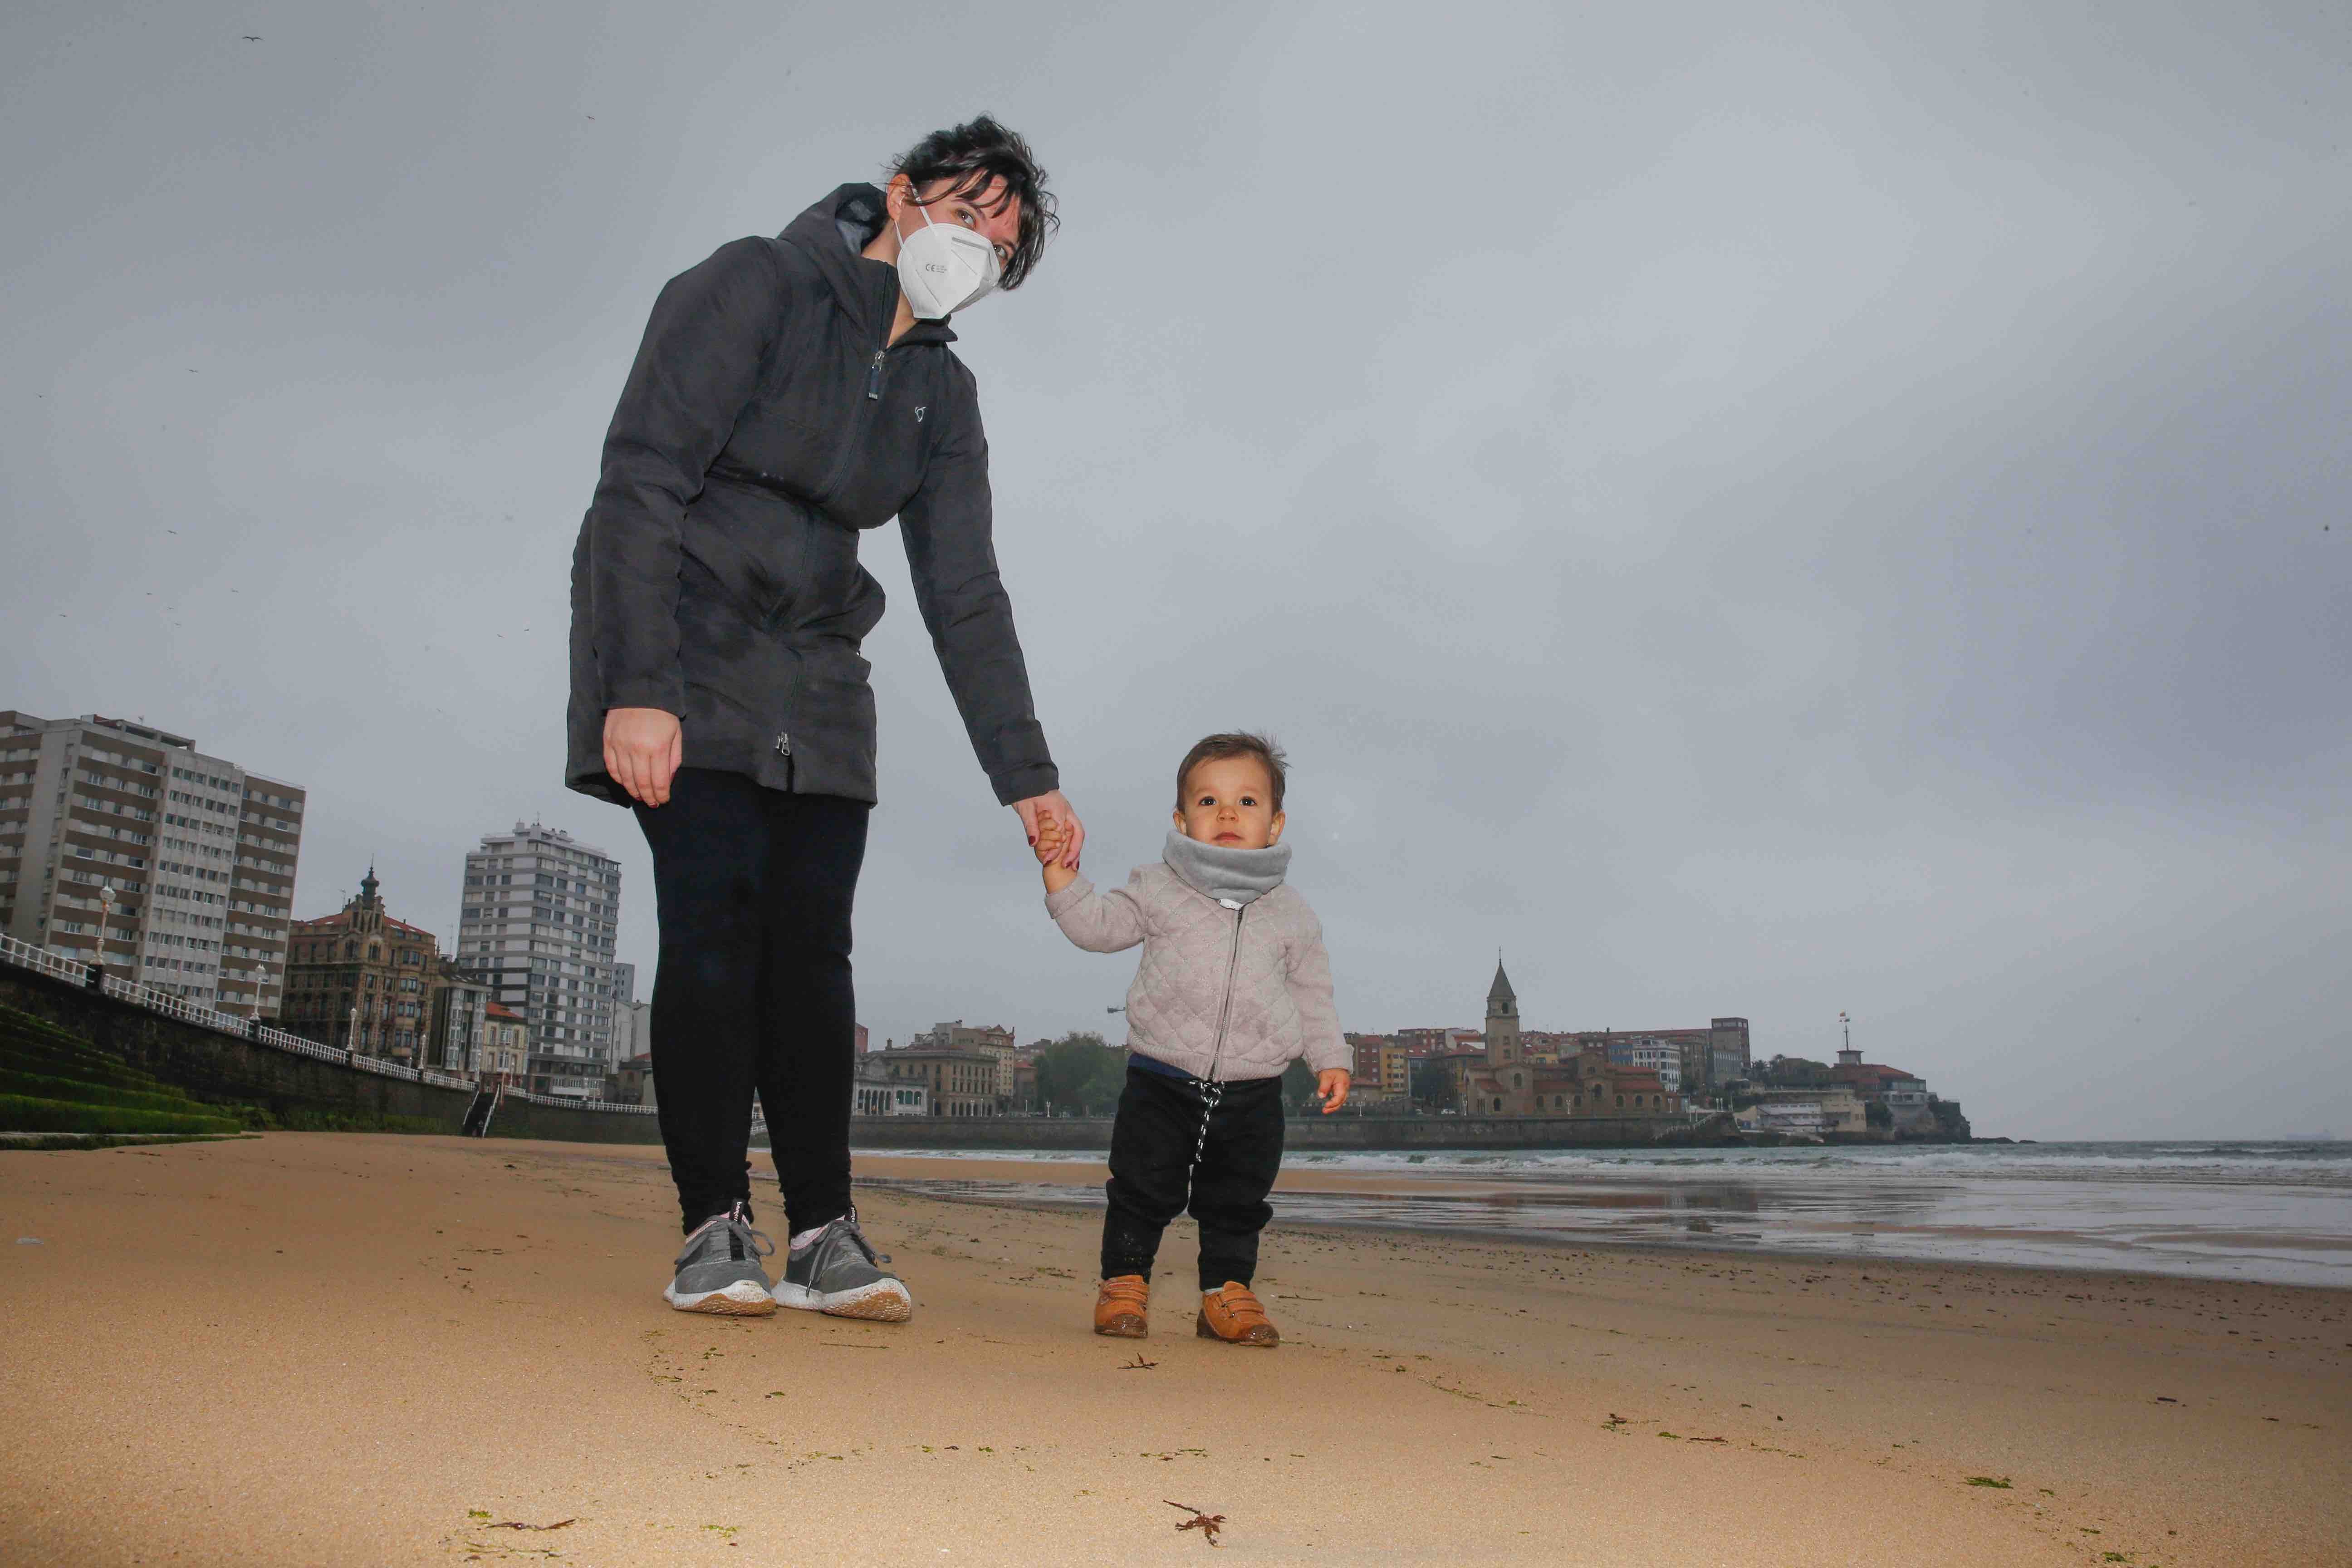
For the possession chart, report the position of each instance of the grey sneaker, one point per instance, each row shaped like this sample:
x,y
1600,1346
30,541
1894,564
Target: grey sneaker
x,y
718,1269
839,1272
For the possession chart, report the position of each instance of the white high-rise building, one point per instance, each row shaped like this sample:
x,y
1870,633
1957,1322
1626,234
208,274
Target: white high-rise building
x,y
538,917
197,853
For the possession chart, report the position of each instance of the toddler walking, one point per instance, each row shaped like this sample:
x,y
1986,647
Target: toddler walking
x,y
1234,983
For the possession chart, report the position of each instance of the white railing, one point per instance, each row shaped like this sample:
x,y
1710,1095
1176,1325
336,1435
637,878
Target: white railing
x,y
564,1102
25,955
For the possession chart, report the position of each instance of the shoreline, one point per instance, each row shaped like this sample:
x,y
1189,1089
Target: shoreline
x,y
358,1349
1868,1216
1667,1251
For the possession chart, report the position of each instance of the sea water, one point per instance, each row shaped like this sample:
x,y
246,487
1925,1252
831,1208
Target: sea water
x,y
2226,1209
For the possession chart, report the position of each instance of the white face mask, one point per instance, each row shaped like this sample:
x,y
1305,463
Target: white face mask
x,y
942,267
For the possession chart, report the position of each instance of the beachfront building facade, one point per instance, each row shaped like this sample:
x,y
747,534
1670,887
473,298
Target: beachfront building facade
x,y
455,1001
956,1083
186,859
1804,1112
506,1044
993,1041
540,916
876,1092
377,986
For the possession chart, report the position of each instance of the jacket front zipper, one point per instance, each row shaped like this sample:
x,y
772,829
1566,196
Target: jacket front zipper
x,y
849,447
853,438
1225,1014
849,450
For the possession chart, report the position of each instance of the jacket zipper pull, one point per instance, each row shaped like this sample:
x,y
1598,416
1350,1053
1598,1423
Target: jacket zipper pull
x,y
873,376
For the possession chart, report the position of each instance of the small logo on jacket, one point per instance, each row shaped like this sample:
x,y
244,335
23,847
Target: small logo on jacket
x,y
920,409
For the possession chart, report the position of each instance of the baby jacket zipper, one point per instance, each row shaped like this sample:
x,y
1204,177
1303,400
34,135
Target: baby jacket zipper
x,y
1226,1013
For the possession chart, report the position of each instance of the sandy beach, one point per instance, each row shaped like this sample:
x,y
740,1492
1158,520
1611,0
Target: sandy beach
x,y
340,1349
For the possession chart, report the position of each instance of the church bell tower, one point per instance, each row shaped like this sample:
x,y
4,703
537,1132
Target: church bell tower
x,y
1502,1020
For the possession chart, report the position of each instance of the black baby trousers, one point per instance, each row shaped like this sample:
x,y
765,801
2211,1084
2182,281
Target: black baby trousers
x,y
1181,1144
753,990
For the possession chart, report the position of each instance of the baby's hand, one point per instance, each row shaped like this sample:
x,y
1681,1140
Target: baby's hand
x,y
1050,838
1331,1088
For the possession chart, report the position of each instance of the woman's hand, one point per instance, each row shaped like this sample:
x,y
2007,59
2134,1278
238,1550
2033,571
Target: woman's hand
x,y
1331,1088
642,748
1074,832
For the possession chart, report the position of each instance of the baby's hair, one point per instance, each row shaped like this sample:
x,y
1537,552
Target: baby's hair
x,y
1240,744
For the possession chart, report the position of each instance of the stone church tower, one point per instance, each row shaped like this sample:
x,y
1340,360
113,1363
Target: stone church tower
x,y
1502,1021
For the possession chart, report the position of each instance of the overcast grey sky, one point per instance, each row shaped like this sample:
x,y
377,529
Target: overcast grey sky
x,y
1759,510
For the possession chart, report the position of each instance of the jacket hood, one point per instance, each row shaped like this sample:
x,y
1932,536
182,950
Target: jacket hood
x,y
831,233
1231,877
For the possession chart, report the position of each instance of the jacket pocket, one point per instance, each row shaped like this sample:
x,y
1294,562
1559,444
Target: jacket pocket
x,y
836,701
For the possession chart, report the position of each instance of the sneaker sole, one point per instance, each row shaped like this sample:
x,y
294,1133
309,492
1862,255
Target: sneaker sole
x,y
741,1300
883,1301
1201,1330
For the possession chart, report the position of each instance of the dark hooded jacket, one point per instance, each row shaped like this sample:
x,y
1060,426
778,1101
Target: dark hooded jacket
x,y
767,422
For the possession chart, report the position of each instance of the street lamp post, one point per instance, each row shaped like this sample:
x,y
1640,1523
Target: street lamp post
x,y
105,915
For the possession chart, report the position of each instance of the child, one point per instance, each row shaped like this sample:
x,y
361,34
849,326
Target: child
x,y
1234,983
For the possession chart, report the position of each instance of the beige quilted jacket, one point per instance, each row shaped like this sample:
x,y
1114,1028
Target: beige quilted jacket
x,y
1221,993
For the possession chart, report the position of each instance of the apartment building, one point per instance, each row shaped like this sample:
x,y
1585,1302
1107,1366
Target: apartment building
x,y
538,917
1663,1057
186,859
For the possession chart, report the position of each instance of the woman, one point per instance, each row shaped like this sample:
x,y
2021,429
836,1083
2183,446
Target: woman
x,y
790,393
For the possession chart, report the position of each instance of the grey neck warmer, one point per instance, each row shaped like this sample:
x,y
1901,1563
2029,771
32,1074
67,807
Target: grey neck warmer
x,y
1231,877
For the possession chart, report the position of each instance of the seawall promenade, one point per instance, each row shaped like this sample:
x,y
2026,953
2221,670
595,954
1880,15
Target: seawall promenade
x,y
301,1083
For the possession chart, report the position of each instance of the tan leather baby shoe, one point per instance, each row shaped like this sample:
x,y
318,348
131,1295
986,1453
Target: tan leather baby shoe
x,y
1119,1307
1231,1314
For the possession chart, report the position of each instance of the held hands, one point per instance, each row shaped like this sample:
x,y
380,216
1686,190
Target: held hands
x,y
1074,833
642,748
1052,843
1331,1088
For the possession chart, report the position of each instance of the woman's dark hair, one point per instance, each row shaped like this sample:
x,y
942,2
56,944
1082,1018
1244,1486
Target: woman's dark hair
x,y
1216,748
973,154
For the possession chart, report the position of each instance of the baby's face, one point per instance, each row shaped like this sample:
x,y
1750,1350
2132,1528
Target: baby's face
x,y
1229,801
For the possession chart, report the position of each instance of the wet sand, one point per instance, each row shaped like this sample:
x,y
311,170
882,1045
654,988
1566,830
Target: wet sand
x,y
339,1349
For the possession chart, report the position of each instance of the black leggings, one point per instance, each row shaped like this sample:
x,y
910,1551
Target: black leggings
x,y
1179,1143
754,888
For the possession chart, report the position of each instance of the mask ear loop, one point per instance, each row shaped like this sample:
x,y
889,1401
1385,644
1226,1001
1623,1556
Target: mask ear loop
x,y
913,202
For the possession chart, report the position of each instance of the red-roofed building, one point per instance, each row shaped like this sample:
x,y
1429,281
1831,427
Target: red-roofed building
x,y
362,980
1905,1095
